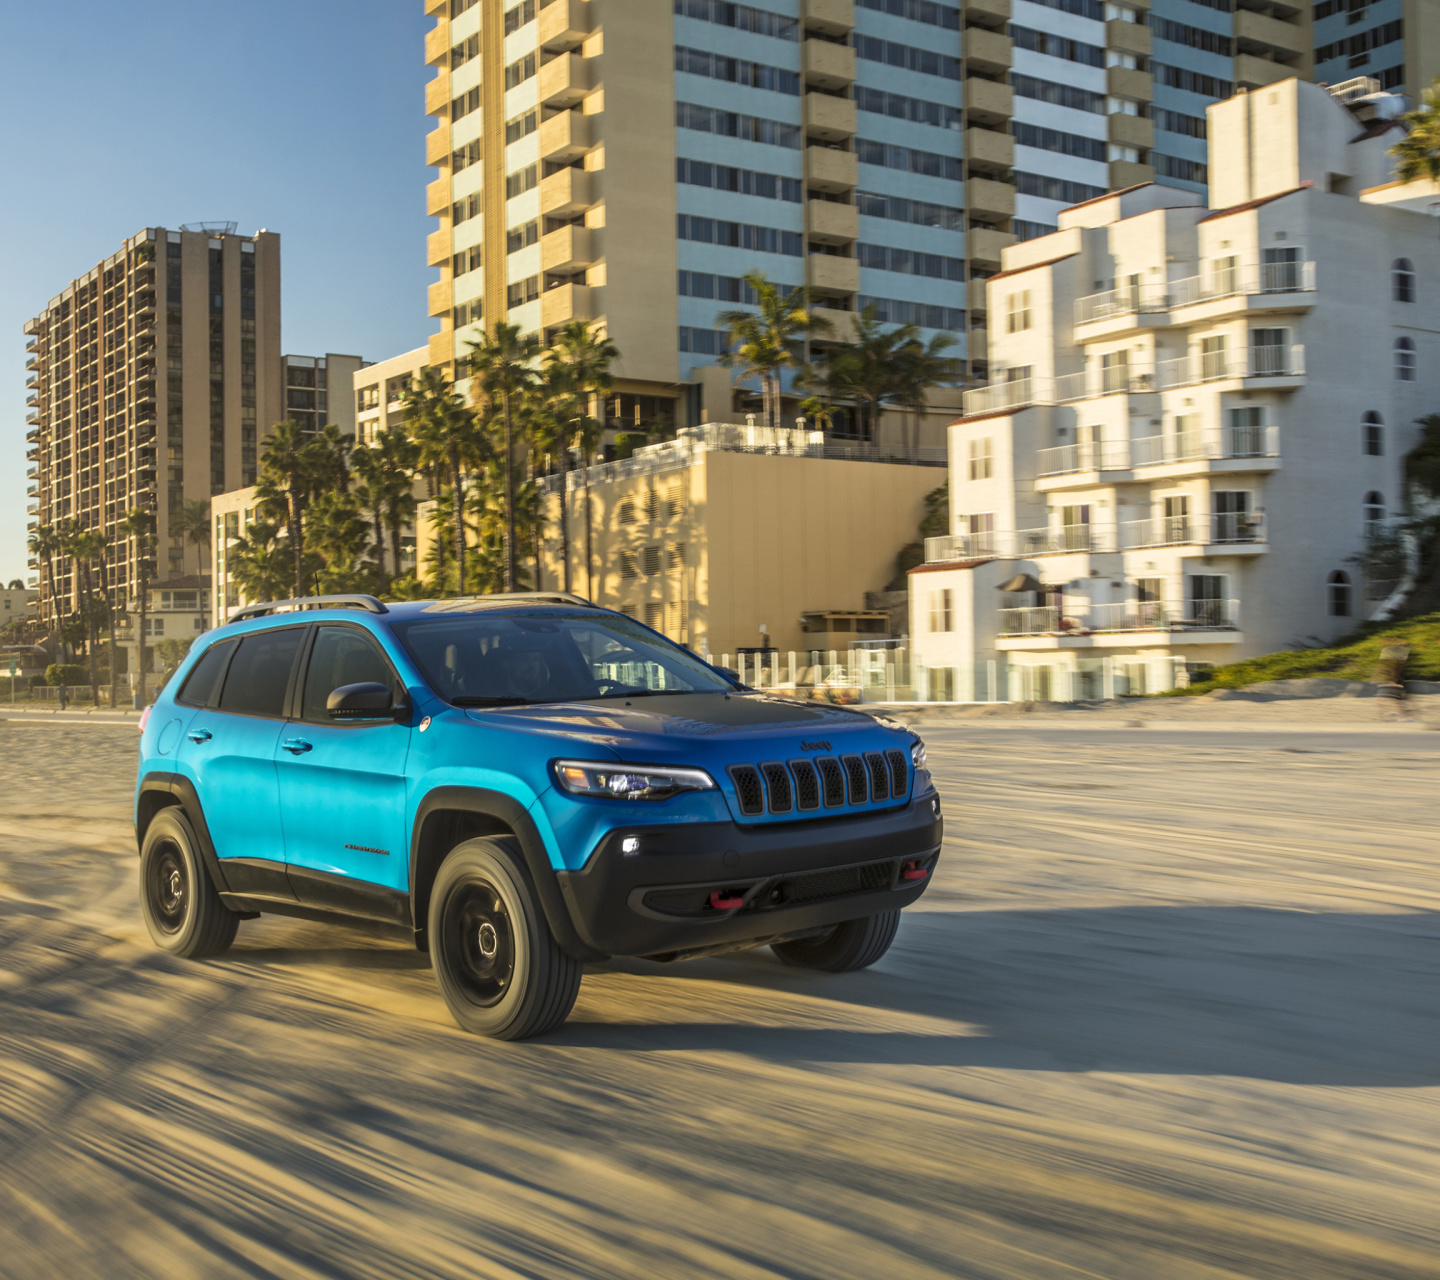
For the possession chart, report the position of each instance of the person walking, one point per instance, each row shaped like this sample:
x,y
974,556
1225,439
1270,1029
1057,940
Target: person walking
x,y
1390,676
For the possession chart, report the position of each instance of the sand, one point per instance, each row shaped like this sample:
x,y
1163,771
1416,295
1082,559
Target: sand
x,y
1169,1011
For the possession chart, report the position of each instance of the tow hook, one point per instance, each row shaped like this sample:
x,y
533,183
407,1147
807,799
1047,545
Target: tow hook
x,y
722,901
913,871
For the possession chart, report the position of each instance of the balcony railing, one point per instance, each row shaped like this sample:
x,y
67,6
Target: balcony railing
x,y
1225,282
1195,446
1013,544
1282,361
1099,455
1122,616
1007,395
1175,531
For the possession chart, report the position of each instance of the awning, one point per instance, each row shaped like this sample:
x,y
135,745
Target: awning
x,y
1021,582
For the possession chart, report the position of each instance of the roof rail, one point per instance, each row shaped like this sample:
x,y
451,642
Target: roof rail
x,y
368,603
464,604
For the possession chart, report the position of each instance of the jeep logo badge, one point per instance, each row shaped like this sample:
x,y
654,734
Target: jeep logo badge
x,y
814,746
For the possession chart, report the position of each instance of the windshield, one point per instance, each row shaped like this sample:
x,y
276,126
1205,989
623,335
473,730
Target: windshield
x,y
544,657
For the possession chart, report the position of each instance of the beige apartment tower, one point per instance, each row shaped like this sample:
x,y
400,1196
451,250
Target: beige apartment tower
x,y
152,380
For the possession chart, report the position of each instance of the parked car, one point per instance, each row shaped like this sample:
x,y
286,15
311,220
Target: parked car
x,y
523,784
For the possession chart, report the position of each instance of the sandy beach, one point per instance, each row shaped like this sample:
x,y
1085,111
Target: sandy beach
x,y
1169,1012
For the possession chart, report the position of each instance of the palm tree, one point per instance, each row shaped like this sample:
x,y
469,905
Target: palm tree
x,y
44,544
386,470
1417,155
192,522
85,547
444,430
868,369
290,465
261,565
584,354
923,365
500,366
337,531
137,526
764,344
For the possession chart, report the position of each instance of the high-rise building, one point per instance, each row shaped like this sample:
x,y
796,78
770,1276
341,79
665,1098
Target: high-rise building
x,y
318,390
1396,42
153,378
629,160
1200,460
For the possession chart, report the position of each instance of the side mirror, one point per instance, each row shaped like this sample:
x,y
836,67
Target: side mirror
x,y
367,701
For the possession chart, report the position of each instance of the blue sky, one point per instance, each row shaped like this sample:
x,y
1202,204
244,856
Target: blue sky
x,y
302,116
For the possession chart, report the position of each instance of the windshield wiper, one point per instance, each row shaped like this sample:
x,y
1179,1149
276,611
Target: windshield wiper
x,y
476,700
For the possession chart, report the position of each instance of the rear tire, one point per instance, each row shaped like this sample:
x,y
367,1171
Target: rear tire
x,y
856,944
181,906
498,966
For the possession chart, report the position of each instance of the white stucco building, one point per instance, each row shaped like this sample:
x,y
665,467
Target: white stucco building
x,y
1196,415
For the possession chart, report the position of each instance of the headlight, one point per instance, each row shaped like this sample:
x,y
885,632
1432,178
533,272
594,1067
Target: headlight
x,y
917,754
628,781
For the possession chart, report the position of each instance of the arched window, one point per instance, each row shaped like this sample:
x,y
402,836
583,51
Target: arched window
x,y
1404,359
1339,586
1402,280
1374,513
1373,434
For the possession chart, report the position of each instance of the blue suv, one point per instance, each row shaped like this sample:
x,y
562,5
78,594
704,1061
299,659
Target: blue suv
x,y
522,783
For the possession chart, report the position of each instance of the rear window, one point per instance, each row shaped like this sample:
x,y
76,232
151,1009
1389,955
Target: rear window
x,y
260,673
203,683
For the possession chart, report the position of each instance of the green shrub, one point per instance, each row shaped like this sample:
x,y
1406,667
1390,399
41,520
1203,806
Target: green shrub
x,y
628,441
67,673
1352,658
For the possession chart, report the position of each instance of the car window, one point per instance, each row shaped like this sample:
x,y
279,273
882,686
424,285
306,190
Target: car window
x,y
489,660
342,655
203,683
259,673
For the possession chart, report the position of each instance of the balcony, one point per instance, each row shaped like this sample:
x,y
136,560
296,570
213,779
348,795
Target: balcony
x,y
986,198
437,195
439,245
985,243
1240,533
566,302
1125,82
563,24
1266,285
1278,367
988,13
437,46
829,118
989,149
1243,448
1020,544
567,193
1128,37
830,169
830,273
567,249
833,17
1131,131
1252,72
1091,456
564,138
832,223
988,101
988,51
437,143
437,94
1080,626
828,65
563,82
440,297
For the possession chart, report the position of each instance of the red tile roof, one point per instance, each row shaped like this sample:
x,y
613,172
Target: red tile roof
x,y
1049,262
953,564
1255,204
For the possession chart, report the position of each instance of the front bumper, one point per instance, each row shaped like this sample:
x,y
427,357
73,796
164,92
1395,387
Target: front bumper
x,y
770,880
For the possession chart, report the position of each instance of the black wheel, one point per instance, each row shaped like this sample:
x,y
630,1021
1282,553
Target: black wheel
x,y
499,967
182,909
856,944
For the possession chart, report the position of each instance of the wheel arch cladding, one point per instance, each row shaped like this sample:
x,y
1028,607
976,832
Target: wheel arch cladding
x,y
449,815
159,791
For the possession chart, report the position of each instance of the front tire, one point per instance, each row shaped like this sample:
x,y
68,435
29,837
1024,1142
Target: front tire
x,y
498,966
181,906
856,944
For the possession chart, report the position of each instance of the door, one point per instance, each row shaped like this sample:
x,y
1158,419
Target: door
x,y
1075,532
1177,519
228,748
1207,599
342,783
1230,510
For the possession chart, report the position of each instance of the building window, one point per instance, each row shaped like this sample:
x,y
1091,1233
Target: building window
x,y
1339,587
1374,513
519,71
982,461
1402,280
652,561
653,612
626,512
1373,434
1404,359
628,567
1212,357
941,611
1017,311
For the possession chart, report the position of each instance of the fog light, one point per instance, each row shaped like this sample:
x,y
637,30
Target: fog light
x,y
630,844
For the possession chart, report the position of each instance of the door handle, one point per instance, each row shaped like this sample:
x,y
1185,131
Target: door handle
x,y
296,746
199,735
